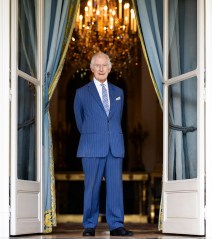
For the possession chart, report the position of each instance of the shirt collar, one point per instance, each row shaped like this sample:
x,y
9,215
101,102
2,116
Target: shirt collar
x,y
98,83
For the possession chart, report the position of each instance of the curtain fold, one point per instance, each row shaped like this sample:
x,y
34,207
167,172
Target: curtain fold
x,y
149,15
59,23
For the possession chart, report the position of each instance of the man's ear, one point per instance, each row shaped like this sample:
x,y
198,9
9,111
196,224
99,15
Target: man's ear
x,y
91,68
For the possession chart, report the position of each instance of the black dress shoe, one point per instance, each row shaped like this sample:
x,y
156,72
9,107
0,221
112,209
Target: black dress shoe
x,y
89,232
121,231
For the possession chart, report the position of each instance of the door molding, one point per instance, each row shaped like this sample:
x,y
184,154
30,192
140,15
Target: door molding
x,y
4,119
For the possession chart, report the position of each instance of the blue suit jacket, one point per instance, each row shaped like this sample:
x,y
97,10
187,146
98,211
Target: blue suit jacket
x,y
99,132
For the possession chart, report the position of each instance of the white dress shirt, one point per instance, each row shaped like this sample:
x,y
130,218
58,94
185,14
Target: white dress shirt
x,y
99,88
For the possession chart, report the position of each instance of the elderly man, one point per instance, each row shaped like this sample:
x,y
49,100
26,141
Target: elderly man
x,y
98,110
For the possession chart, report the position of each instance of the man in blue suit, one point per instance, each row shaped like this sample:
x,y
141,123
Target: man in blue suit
x,y
98,110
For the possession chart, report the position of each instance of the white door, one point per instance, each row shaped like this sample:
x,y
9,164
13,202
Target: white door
x,y
26,195
184,139
208,109
5,116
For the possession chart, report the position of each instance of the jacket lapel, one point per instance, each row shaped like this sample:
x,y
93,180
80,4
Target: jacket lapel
x,y
95,94
112,99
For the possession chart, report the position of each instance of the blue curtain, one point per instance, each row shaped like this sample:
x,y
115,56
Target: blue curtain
x,y
59,22
55,13
149,14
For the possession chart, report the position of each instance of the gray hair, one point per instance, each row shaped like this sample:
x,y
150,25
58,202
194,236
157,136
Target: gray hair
x,y
101,54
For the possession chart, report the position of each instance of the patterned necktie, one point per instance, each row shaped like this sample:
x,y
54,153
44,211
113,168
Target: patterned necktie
x,y
105,100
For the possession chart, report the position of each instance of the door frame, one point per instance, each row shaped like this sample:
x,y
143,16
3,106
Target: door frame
x,y
5,117
208,116
5,125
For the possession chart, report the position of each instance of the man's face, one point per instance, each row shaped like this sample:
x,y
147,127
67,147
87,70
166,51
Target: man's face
x,y
100,68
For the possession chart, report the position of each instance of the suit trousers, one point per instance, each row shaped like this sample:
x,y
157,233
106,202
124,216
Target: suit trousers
x,y
94,170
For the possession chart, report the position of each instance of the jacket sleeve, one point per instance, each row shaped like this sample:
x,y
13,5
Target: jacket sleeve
x,y
78,111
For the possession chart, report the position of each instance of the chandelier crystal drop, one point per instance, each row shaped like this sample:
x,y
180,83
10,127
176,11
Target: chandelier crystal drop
x,y
109,26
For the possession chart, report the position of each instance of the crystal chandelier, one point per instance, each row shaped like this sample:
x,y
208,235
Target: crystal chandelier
x,y
108,26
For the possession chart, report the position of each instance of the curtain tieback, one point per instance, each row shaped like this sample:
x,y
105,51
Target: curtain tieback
x,y
184,130
26,123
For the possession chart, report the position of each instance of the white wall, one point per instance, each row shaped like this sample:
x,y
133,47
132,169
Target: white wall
x,y
4,119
